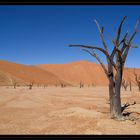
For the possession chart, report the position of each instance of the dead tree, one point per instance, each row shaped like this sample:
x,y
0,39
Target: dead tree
x,y
81,84
93,85
130,84
115,64
137,79
45,86
15,85
125,84
31,85
63,85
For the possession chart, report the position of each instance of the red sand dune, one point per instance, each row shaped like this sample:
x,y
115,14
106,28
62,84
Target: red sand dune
x,y
23,74
51,74
87,72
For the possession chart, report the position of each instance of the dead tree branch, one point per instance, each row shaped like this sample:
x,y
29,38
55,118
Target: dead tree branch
x,y
97,48
98,59
126,105
101,35
137,79
125,84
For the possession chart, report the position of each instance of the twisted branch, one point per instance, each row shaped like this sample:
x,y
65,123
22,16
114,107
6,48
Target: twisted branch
x,y
101,35
100,49
129,42
119,31
98,59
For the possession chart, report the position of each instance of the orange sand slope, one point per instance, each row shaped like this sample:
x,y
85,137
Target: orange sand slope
x,y
87,72
23,74
55,74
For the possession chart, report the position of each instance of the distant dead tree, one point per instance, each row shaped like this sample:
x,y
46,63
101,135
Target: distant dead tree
x,y
15,85
31,85
45,86
81,84
137,79
130,84
93,85
115,64
63,85
125,84
39,85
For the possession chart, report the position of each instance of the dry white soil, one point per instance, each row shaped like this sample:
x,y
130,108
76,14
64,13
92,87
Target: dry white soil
x,y
69,110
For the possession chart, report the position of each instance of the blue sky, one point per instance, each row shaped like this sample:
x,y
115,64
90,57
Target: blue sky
x,y
41,34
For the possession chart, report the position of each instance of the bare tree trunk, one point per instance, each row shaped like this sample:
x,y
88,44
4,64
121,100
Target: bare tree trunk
x,y
31,85
130,86
111,93
137,78
81,84
15,84
117,99
114,93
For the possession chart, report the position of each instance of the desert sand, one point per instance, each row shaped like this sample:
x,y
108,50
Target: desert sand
x,y
24,74
70,74
69,110
88,72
